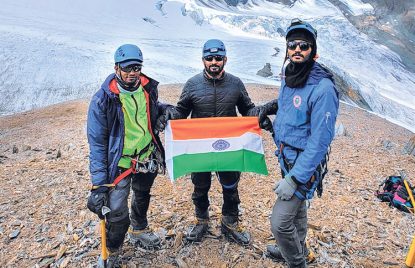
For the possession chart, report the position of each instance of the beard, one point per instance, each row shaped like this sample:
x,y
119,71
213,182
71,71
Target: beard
x,y
131,85
214,70
131,81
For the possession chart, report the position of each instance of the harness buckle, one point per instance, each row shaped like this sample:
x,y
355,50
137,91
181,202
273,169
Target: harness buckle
x,y
150,164
134,167
141,167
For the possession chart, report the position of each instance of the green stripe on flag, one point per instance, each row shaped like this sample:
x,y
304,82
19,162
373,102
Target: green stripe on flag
x,y
241,160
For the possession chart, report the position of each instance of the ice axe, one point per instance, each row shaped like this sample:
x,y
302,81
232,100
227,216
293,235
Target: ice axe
x,y
410,258
104,252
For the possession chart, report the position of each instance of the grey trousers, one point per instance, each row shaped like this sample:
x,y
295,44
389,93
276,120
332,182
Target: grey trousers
x,y
202,182
119,218
289,226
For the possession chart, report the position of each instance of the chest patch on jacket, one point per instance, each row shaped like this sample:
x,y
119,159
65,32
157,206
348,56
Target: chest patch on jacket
x,y
297,101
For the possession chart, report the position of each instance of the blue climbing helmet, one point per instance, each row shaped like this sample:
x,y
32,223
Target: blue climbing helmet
x,y
214,47
298,25
127,55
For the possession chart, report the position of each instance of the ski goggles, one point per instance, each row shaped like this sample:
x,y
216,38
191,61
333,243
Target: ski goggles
x,y
135,68
304,46
210,58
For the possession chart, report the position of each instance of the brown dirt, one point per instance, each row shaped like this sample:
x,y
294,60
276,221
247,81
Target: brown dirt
x,y
43,197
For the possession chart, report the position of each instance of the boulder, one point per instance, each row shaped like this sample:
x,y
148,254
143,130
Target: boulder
x,y
340,130
277,51
387,144
266,71
409,147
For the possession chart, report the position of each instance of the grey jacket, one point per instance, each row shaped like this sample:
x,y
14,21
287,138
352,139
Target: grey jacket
x,y
205,97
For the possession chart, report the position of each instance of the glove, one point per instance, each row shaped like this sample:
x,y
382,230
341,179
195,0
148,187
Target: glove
x,y
265,123
286,188
96,200
262,111
254,111
161,123
271,107
169,113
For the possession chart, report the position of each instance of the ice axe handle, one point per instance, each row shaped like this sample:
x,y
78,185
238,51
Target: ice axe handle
x,y
410,258
411,196
104,251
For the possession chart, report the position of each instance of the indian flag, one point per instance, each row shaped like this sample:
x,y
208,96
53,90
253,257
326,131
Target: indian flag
x,y
214,144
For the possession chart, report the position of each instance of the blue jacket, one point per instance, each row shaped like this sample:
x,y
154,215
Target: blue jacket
x,y
305,123
105,127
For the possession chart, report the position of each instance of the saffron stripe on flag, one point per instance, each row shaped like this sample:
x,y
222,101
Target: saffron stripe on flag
x,y
214,127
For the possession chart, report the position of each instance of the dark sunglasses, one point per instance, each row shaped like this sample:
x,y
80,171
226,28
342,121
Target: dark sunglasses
x,y
210,58
129,68
304,46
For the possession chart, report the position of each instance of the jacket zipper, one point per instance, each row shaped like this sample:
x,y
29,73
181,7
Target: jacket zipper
x,y
118,156
136,113
214,87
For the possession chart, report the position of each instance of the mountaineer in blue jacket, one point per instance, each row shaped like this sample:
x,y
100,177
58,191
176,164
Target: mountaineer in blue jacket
x,y
125,151
304,128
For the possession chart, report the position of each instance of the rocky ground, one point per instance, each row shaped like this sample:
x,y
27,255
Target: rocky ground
x,y
44,221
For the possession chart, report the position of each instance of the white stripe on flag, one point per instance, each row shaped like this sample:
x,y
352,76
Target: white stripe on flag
x,y
248,141
169,153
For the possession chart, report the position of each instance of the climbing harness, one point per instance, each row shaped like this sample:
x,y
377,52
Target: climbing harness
x,y
152,164
315,184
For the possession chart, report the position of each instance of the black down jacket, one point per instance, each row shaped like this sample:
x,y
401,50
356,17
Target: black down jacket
x,y
205,97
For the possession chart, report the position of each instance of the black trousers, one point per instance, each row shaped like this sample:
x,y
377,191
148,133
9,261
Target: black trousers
x,y
202,182
119,219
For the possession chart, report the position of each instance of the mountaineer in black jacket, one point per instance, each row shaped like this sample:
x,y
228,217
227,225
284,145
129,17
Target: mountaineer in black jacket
x,y
215,93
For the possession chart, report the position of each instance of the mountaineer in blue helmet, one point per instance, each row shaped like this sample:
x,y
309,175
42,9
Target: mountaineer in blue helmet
x,y
215,93
125,151
303,130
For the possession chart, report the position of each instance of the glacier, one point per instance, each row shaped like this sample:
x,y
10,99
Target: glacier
x,y
53,50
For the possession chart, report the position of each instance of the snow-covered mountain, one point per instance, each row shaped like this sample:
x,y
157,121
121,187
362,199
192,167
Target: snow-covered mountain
x,y
53,50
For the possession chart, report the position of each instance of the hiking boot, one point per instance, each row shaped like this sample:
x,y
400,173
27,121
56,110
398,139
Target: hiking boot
x,y
234,232
112,261
144,238
196,231
274,253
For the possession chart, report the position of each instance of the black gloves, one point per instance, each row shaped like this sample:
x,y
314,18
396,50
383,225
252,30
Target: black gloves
x,y
262,111
266,124
271,107
168,114
97,199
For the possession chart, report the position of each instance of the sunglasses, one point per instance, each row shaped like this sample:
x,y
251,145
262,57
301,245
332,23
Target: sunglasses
x,y
210,58
304,46
134,68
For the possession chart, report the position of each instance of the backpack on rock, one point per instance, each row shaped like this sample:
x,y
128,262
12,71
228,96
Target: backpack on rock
x,y
395,193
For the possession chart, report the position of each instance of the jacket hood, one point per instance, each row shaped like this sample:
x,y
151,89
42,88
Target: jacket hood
x,y
318,72
106,86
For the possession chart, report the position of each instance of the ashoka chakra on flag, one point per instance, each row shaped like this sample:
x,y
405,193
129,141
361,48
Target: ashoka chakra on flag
x,y
214,144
